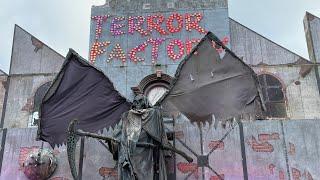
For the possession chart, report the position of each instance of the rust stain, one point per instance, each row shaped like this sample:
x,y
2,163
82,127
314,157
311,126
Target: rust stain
x,y
271,168
281,175
292,149
58,178
186,168
217,177
106,171
179,134
296,174
219,144
28,107
260,147
36,43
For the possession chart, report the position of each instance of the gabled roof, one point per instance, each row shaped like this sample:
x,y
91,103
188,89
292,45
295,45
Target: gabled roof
x,y
258,49
32,56
2,73
311,17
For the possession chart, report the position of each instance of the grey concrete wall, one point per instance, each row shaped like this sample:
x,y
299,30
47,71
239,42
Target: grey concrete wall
x,y
129,74
33,63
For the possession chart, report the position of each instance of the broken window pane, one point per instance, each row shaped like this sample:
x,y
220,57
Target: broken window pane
x,y
273,96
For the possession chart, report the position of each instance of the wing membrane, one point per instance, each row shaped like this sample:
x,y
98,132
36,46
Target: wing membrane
x,y
80,91
207,87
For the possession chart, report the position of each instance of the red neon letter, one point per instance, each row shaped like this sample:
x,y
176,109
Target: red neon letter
x,y
155,48
96,50
170,49
133,53
154,22
178,18
136,26
115,28
99,20
192,22
189,44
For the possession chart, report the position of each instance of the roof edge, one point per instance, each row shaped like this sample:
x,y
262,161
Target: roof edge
x,y
16,25
268,39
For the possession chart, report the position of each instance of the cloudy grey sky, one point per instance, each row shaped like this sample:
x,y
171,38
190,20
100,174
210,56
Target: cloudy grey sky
x,y
65,23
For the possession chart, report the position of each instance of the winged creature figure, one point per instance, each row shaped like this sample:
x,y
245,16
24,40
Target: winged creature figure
x,y
205,88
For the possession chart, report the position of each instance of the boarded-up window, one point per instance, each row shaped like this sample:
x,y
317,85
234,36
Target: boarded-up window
x,y
273,96
40,93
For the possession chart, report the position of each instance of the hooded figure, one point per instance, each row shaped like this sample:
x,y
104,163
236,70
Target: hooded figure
x,y
141,124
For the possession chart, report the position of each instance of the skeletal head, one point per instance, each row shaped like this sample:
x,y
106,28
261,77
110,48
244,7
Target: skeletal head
x,y
141,102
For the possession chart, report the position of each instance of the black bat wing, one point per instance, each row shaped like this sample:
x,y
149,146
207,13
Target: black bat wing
x,y
83,92
206,87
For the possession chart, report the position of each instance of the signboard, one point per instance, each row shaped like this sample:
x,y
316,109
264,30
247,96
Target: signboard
x,y
130,40
135,37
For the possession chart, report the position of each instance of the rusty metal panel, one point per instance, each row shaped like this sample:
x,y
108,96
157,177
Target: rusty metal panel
x,y
20,99
20,142
302,144
198,141
30,55
265,150
256,49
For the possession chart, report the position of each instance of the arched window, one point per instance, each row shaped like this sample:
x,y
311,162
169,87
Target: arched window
x,y
153,86
273,96
38,96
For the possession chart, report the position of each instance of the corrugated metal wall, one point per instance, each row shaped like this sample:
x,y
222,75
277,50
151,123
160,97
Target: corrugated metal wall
x,y
273,150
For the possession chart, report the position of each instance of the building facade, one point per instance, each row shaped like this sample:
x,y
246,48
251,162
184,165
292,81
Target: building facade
x,y
138,45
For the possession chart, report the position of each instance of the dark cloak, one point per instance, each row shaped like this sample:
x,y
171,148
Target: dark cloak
x,y
140,162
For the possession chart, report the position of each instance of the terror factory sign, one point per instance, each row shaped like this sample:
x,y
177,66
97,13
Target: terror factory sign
x,y
156,32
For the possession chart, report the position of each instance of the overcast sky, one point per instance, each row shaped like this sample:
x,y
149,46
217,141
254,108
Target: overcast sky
x,y
62,24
